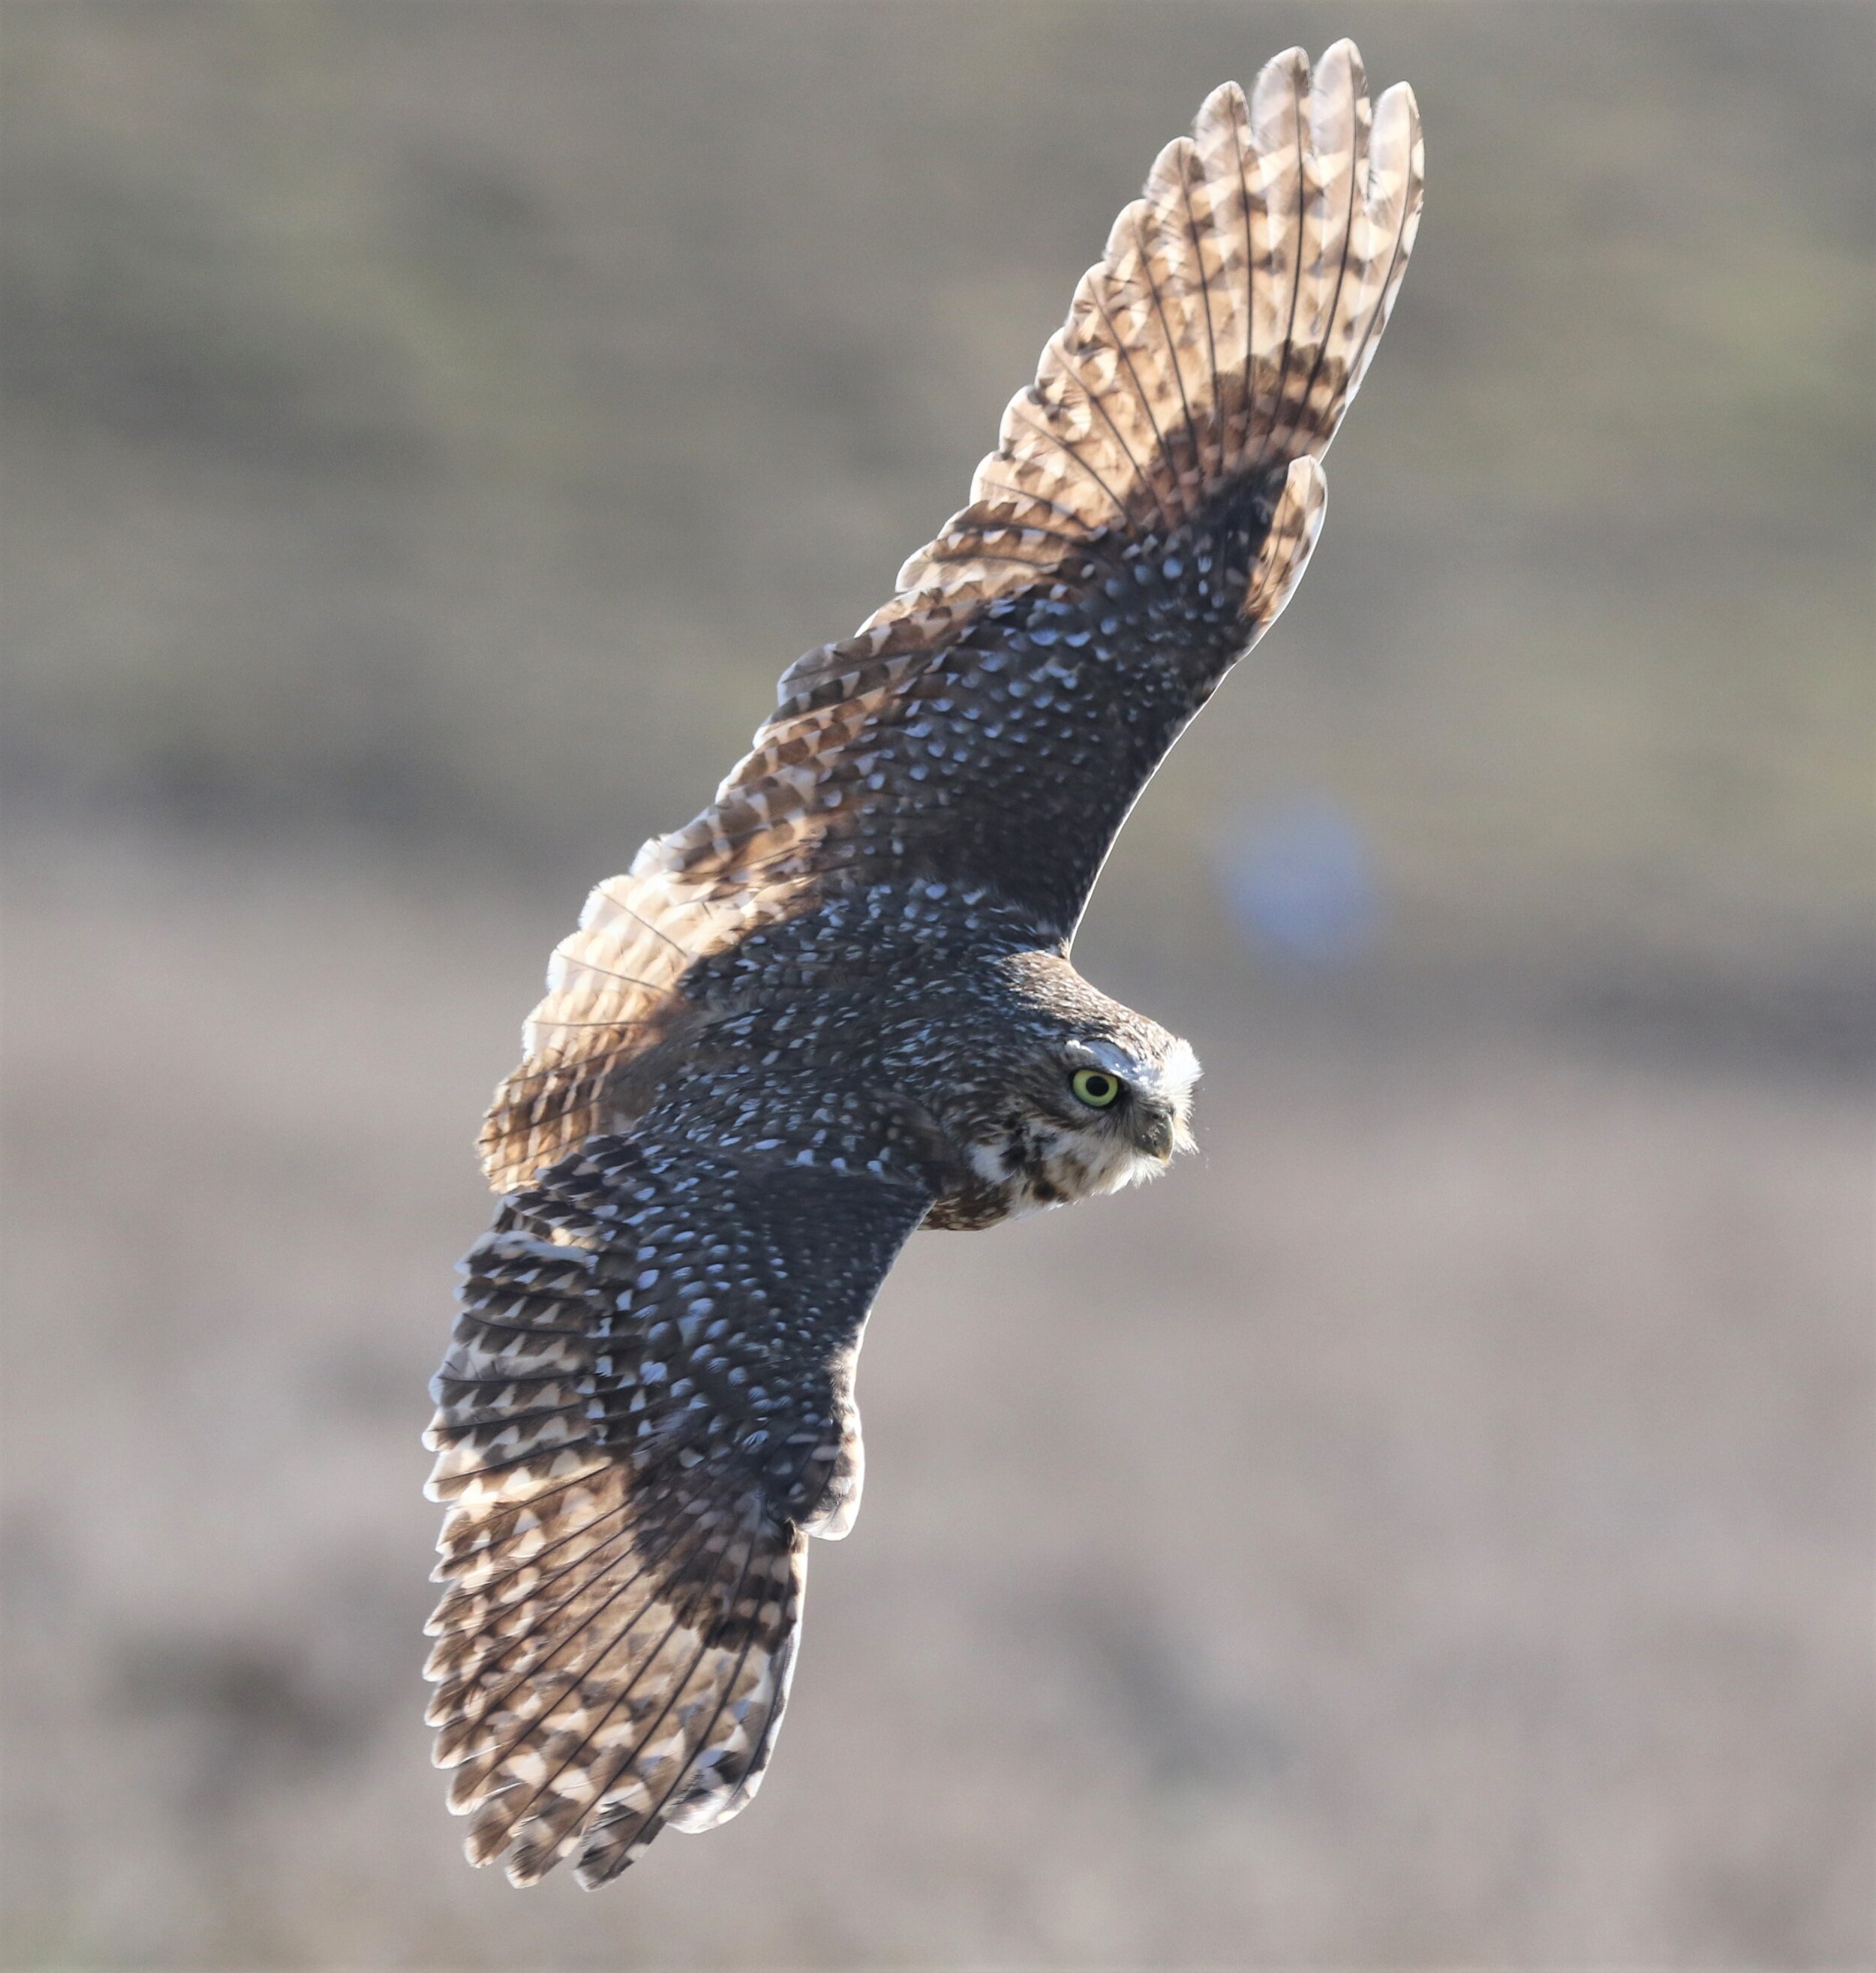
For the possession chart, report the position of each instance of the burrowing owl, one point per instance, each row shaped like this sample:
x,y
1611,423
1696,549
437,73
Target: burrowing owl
x,y
839,1006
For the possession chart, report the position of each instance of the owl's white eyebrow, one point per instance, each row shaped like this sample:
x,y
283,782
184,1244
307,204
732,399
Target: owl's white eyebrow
x,y
1105,1056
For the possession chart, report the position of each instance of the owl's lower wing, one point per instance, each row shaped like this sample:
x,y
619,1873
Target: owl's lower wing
x,y
1152,502
646,1409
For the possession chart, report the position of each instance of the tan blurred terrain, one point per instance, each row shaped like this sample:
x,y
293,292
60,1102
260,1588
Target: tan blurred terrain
x,y
1435,1525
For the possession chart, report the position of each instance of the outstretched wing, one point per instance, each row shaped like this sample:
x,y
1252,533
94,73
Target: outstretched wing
x,y
646,1409
1152,502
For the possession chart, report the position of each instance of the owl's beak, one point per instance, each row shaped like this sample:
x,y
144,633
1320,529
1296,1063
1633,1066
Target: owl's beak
x,y
1156,1135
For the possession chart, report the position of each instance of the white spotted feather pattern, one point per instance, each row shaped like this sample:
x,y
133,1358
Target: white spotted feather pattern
x,y
839,1004
631,1471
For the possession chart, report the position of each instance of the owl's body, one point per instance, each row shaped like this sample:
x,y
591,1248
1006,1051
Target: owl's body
x,y
839,1005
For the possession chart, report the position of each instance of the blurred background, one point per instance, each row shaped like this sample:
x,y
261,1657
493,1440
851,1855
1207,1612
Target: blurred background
x,y
1435,1525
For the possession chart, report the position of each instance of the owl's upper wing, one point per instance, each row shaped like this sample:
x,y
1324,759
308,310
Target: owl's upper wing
x,y
646,1408
1152,500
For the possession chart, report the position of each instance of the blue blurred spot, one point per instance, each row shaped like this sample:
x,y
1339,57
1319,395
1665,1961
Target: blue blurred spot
x,y
1299,884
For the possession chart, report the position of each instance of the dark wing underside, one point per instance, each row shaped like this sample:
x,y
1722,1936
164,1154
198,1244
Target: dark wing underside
x,y
646,1409
1152,500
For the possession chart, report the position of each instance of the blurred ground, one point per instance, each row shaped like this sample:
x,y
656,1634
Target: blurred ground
x,y
1436,1524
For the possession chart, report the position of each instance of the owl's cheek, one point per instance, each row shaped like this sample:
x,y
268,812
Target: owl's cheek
x,y
1083,1164
1123,1165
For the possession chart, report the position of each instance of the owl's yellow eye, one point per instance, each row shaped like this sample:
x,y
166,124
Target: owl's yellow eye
x,y
1095,1087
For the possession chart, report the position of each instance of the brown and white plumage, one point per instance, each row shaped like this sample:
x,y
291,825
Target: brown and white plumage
x,y
626,1567
838,1004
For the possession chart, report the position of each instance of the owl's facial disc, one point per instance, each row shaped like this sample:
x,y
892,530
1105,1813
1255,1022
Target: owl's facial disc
x,y
1100,1117
1145,1099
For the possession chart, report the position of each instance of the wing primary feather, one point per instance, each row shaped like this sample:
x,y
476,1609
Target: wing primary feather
x,y
1337,68
1247,384
1295,290
1149,479
1397,106
986,488
1145,215
639,918
550,1026
457,1565
680,1616
495,1828
570,964
488,1734
483,1519
1017,412
648,1819
587,1532
651,1819
1211,335
679,1547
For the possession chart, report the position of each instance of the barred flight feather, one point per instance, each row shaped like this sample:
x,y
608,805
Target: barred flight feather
x,y
646,1409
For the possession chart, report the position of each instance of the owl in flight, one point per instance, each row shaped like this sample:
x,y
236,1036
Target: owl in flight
x,y
839,1006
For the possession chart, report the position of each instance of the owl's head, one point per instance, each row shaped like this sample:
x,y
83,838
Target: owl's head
x,y
1077,1096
